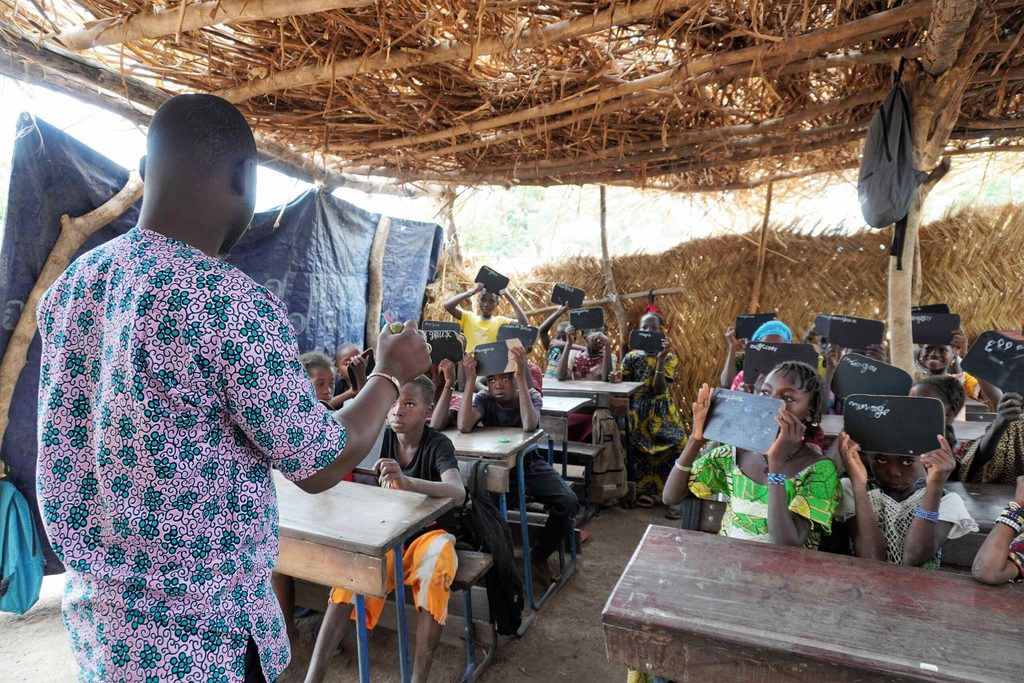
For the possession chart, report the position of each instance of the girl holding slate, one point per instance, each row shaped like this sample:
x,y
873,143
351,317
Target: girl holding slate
x,y
909,516
1001,557
772,332
656,430
785,496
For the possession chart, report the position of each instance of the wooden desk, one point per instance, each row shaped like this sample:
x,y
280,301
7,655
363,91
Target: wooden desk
x,y
697,607
601,393
341,538
554,415
984,503
965,431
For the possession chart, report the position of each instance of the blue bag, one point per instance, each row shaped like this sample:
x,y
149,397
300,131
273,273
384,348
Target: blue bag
x,y
21,556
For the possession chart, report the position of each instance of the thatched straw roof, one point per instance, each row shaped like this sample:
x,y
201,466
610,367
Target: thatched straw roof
x,y
685,94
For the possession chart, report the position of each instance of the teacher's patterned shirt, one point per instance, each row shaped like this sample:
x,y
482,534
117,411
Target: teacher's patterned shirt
x,y
169,388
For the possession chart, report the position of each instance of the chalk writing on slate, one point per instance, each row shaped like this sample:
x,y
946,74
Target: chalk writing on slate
x,y
444,344
648,342
997,359
494,358
760,358
564,295
855,333
900,425
492,280
857,374
934,328
527,335
587,318
743,420
930,308
747,323
428,325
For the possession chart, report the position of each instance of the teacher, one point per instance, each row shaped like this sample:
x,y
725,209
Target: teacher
x,y
169,389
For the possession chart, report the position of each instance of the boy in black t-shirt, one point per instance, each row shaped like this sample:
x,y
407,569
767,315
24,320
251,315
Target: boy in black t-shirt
x,y
414,457
508,401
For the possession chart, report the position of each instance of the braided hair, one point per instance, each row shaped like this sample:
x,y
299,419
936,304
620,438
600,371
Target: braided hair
x,y
805,378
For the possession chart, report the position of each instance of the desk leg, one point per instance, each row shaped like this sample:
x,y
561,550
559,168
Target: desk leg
x,y
362,640
565,458
503,506
403,628
551,451
524,528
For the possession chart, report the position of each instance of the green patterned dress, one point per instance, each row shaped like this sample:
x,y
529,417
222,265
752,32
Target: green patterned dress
x,y
814,494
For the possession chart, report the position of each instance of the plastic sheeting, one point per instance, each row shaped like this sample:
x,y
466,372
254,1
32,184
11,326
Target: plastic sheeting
x,y
316,261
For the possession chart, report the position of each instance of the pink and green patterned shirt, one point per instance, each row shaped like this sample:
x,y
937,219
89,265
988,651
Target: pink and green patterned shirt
x,y
169,388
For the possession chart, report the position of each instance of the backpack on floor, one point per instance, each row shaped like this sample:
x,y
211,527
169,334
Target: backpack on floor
x,y
485,529
888,178
21,555
607,476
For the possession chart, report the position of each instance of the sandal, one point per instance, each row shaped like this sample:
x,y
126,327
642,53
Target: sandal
x,y
645,501
673,513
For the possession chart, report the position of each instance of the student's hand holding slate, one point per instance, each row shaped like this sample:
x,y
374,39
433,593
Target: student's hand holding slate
x,y
666,348
518,354
959,344
469,365
447,369
701,407
788,442
1010,409
855,470
938,464
731,341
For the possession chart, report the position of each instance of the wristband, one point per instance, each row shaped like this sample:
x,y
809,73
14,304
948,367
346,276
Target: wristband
x,y
1012,516
926,515
776,479
1010,523
390,378
684,470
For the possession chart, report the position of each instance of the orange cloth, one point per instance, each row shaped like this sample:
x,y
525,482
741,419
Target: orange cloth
x,y
430,564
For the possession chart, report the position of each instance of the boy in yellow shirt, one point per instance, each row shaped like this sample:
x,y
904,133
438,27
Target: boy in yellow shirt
x,y
483,328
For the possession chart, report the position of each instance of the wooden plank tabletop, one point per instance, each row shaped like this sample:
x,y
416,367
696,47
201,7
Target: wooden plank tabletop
x,y
492,443
984,502
587,388
965,431
692,606
363,519
559,406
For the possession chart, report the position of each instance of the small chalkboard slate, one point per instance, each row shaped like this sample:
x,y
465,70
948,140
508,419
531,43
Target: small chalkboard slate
x,y
564,295
492,280
743,420
821,322
587,318
648,342
901,425
997,359
760,358
857,374
494,358
854,333
434,325
930,308
747,323
527,336
934,328
444,344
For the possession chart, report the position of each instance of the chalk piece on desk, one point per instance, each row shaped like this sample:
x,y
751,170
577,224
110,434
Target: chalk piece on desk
x,y
504,440
929,667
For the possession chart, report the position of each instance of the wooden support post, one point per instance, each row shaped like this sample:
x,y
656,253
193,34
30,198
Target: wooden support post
x,y
755,294
375,283
73,234
609,278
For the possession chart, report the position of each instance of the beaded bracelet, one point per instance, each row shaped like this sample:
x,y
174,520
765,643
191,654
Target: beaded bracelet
x,y
926,515
1012,516
776,479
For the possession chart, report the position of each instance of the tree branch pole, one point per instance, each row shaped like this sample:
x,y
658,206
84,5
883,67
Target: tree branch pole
x,y
609,277
755,294
73,234
375,282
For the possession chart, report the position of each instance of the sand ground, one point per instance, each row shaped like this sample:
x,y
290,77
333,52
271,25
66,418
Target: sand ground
x,y
565,643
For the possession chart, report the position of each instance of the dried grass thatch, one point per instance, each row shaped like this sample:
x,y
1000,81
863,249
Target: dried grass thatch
x,y
972,260
683,94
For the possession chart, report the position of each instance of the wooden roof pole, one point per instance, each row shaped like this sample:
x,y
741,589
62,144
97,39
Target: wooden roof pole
x,y
755,294
154,22
610,291
936,88
375,283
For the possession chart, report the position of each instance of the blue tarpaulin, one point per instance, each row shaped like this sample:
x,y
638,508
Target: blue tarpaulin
x,y
316,261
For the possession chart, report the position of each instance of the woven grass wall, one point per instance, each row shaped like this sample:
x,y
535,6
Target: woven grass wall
x,y
972,260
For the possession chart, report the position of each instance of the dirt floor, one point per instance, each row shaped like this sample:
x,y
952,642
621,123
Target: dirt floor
x,y
565,643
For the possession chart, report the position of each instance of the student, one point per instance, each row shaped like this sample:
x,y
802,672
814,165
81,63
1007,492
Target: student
x,y
352,364
343,355
786,496
1001,556
414,457
596,362
447,400
321,373
483,328
656,432
998,457
772,332
950,391
509,402
936,360
908,518
554,347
